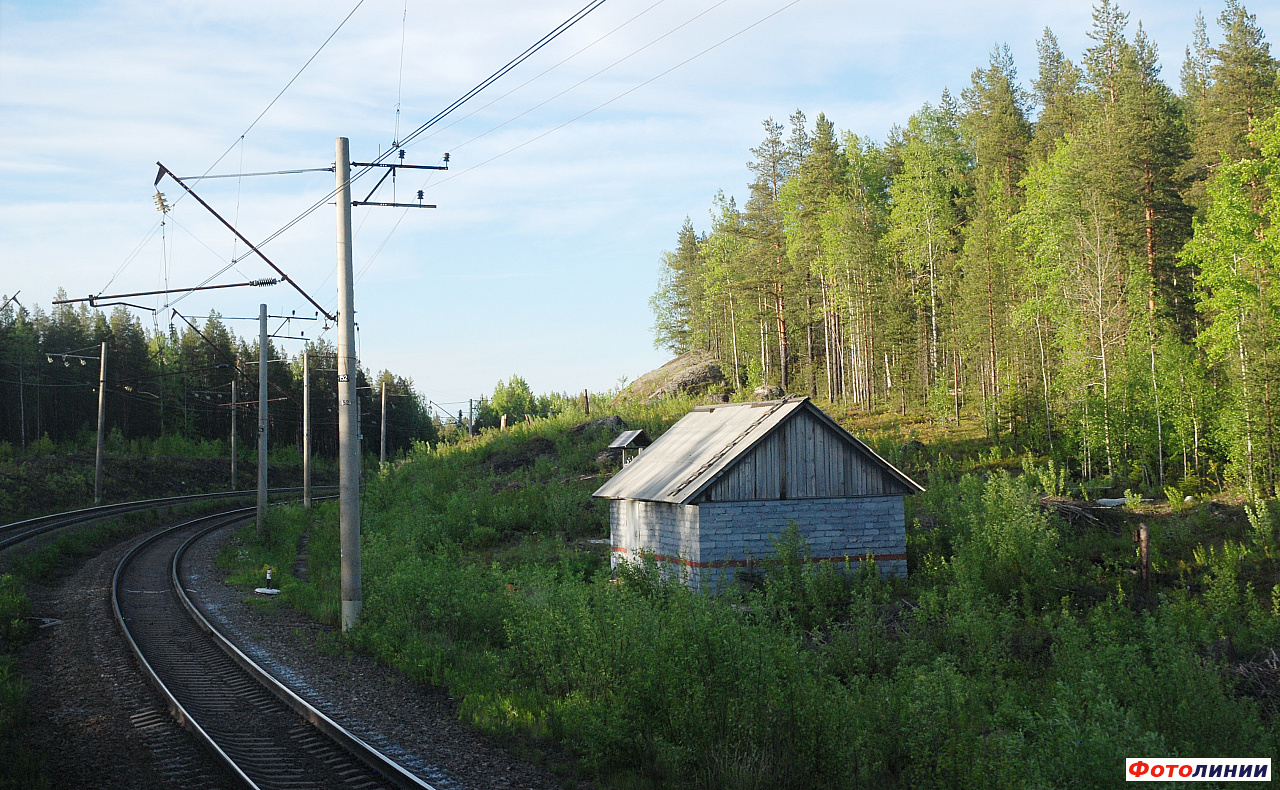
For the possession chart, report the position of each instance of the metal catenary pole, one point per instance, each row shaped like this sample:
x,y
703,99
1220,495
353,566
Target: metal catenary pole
x,y
306,429
102,424
262,419
382,452
348,366
235,407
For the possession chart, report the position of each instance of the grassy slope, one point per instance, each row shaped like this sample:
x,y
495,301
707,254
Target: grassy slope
x,y
1022,651
34,485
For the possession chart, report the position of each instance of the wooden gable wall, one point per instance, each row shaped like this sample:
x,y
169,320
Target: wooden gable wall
x,y
803,458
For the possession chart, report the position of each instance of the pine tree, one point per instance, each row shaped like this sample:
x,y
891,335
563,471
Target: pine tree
x,y
764,222
1056,91
925,224
1236,254
997,134
677,298
1240,90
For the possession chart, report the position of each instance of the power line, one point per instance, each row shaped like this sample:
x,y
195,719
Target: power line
x,y
620,95
588,112
486,82
285,88
133,255
585,80
284,277
267,173
541,74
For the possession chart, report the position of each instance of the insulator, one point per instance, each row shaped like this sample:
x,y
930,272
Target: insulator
x,y
446,159
401,154
419,195
264,281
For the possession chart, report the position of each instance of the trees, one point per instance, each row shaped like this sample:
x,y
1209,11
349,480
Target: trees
x,y
162,381
674,302
1236,255
925,219
998,135
1037,275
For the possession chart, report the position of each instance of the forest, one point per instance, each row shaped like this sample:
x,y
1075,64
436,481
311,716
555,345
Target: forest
x,y
1086,267
174,383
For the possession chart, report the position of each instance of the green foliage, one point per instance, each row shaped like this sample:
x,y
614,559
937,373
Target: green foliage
x,y
167,391
1019,653
1011,550
1051,479
514,399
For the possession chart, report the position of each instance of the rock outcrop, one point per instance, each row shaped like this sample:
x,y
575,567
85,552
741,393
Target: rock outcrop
x,y
694,373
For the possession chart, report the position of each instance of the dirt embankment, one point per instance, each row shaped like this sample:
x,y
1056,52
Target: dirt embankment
x,y
37,485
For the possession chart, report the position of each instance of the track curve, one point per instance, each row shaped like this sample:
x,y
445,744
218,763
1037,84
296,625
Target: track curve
x,y
265,734
26,529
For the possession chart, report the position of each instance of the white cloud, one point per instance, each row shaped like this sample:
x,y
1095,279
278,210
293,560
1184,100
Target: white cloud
x,y
540,262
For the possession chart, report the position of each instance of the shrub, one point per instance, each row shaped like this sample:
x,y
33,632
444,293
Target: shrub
x,y
1011,550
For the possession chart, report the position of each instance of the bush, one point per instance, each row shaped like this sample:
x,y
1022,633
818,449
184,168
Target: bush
x,y
1011,550
1013,656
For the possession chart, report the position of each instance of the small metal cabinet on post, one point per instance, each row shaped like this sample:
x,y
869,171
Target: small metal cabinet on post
x,y
712,493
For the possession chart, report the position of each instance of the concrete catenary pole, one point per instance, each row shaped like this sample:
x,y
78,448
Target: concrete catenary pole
x,y
382,452
306,429
235,407
102,424
348,418
262,419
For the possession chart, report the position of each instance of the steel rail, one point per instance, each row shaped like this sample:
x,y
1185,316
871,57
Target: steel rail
x,y
383,765
19,531
176,708
342,739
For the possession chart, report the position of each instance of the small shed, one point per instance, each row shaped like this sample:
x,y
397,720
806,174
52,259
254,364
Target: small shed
x,y
630,440
720,485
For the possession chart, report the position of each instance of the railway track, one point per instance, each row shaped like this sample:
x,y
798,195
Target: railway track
x,y
19,531
265,734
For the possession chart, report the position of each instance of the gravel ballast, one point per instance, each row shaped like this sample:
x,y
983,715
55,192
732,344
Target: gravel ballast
x,y
414,724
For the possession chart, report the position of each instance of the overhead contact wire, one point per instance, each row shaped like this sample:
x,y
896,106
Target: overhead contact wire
x,y
486,82
627,92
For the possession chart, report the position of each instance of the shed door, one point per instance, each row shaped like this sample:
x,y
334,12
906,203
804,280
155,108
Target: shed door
x,y
633,523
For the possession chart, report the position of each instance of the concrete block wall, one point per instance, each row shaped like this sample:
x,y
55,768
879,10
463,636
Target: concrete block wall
x,y
670,532
707,544
834,529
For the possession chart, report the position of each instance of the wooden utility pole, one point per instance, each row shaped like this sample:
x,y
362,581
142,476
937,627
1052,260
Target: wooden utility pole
x,y
471,416
102,424
586,402
262,419
382,452
235,406
306,430
348,425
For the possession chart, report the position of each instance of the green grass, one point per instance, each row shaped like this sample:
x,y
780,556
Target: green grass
x,y
1023,650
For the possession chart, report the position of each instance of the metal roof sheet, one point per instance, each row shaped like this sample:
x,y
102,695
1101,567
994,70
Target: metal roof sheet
x,y
705,442
636,438
697,446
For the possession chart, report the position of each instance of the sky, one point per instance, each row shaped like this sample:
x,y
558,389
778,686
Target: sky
x,y
568,178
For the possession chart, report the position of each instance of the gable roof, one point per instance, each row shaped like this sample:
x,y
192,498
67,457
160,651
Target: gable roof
x,y
629,439
707,441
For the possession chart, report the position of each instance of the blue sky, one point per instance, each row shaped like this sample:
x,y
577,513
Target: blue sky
x,y
539,262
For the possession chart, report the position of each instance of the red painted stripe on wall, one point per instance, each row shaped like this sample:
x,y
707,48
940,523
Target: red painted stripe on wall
x,y
743,563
